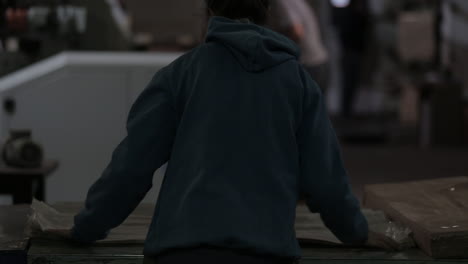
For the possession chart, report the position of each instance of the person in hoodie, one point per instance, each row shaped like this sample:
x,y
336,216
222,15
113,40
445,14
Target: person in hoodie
x,y
245,132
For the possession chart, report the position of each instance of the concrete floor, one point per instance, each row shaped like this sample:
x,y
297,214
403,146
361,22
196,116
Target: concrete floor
x,y
382,164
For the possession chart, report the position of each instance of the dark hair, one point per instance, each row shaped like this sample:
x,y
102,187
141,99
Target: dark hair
x,y
255,10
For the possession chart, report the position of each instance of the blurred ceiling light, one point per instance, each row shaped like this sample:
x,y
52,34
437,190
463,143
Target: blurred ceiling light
x,y
341,3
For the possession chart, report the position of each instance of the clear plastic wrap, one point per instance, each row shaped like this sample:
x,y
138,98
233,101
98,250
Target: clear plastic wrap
x,y
379,223
46,222
310,229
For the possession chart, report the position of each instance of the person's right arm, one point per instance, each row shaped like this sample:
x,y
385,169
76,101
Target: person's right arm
x,y
324,181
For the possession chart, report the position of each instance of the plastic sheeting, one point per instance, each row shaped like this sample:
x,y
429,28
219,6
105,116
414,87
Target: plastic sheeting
x,y
47,222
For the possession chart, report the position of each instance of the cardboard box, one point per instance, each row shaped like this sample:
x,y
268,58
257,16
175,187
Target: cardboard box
x,y
435,210
416,36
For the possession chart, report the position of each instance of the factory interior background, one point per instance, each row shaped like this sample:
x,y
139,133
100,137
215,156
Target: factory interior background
x,y
393,72
70,70
396,89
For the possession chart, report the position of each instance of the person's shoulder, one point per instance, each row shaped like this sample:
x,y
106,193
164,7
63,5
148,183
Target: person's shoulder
x,y
183,58
309,85
186,59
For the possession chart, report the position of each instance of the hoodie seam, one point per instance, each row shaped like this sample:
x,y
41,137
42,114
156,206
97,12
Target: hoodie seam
x,y
264,69
254,47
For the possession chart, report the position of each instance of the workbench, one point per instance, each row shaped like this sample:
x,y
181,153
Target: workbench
x,y
50,252
15,248
24,184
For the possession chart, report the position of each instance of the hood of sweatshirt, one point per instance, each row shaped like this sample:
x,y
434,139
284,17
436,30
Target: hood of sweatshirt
x,y
256,48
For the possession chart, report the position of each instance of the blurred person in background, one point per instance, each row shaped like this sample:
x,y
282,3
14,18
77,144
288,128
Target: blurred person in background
x,y
351,20
299,21
246,133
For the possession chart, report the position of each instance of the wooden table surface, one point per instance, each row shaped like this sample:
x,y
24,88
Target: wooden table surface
x,y
54,252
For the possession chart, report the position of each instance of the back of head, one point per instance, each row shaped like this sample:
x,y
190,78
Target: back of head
x,y
255,10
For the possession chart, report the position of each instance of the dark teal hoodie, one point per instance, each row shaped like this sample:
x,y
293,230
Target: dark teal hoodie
x,y
246,133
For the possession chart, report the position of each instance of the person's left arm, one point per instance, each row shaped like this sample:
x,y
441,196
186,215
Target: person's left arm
x,y
151,129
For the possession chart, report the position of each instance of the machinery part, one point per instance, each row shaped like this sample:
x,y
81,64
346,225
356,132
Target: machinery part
x,y
20,151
